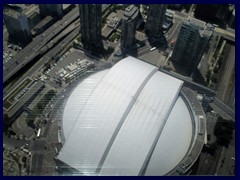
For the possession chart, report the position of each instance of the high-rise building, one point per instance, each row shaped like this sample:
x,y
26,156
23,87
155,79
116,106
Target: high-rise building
x,y
191,44
129,22
90,21
212,13
231,22
126,5
18,26
155,19
55,10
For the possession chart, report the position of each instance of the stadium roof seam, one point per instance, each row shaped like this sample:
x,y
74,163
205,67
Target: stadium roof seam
x,y
81,109
148,157
124,116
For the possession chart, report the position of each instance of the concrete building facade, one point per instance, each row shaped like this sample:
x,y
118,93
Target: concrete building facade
x,y
191,44
155,19
18,26
129,23
55,10
90,21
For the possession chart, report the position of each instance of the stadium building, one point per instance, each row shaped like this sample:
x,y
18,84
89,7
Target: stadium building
x,y
131,120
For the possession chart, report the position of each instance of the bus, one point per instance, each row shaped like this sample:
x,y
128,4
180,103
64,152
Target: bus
x,y
39,132
152,49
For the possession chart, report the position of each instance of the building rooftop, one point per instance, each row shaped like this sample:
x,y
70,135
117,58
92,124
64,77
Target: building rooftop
x,y
25,98
206,32
11,12
141,37
126,121
198,23
120,13
131,12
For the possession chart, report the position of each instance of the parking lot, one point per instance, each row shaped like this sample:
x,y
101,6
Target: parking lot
x,y
9,51
155,57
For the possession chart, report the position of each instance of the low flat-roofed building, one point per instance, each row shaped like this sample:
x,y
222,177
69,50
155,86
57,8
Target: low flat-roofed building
x,y
24,101
107,31
141,38
72,67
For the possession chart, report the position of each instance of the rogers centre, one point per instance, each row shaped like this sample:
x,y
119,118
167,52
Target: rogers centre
x,y
131,120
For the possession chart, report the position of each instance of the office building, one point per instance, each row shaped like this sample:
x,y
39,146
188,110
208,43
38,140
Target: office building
x,y
155,19
90,21
231,22
129,22
18,26
55,10
212,13
191,44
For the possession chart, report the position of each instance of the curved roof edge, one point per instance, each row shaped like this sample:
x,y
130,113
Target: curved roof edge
x,y
199,117
199,129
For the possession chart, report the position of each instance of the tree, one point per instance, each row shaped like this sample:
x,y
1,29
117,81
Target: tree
x,y
31,124
223,131
5,123
39,106
214,78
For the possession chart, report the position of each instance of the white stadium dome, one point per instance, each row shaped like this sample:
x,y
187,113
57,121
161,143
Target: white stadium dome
x,y
130,120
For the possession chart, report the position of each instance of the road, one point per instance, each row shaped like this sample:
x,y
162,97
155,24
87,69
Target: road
x,y
180,15
226,73
221,162
218,106
20,126
37,148
226,163
66,31
208,164
14,143
203,65
174,31
143,50
172,34
193,85
56,103
46,58
154,57
33,49
222,109
226,33
211,123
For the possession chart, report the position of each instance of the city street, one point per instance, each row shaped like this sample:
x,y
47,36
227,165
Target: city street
x,y
20,126
172,34
45,59
37,148
154,57
229,66
14,143
32,49
222,109
97,87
